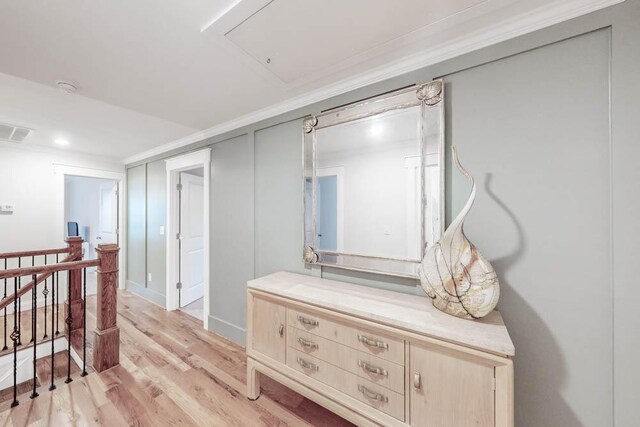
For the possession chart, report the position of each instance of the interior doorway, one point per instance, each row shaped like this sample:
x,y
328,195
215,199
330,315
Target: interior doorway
x,y
188,189
191,242
91,212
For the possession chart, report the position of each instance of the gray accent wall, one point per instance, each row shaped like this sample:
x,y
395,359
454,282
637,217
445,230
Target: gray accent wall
x,y
231,235
538,144
136,229
547,124
278,199
146,209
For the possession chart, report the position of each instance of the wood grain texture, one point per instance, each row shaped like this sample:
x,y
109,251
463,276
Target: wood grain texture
x,y
42,272
411,313
106,345
25,254
450,389
171,372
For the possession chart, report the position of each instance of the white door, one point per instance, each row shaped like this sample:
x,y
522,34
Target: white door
x,y
108,219
192,238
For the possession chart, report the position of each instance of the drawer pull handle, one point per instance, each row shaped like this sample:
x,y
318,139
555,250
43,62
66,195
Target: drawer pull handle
x,y
372,395
372,369
372,342
307,365
306,343
416,380
281,330
306,321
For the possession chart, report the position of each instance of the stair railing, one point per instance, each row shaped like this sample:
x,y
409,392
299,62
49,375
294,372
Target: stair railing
x,y
106,338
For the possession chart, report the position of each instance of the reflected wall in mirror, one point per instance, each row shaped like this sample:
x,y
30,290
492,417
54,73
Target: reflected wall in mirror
x,y
373,181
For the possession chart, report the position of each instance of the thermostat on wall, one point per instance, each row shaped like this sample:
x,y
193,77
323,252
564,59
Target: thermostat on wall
x,y
6,208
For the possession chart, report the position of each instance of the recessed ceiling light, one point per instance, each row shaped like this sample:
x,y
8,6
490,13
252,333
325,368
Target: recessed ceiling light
x,y
66,87
61,142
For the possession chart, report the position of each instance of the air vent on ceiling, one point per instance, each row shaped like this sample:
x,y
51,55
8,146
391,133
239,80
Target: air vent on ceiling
x,y
13,133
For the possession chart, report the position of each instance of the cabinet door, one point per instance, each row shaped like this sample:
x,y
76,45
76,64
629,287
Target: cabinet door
x,y
449,389
268,334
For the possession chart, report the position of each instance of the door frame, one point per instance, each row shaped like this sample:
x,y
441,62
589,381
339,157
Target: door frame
x,y
60,171
338,172
175,165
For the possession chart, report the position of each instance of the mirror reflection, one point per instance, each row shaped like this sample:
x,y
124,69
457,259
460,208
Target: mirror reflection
x,y
368,186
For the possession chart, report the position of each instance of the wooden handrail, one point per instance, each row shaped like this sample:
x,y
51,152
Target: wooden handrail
x,y
106,343
7,255
45,271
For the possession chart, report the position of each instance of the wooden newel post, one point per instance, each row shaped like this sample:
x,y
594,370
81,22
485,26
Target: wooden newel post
x,y
106,345
73,304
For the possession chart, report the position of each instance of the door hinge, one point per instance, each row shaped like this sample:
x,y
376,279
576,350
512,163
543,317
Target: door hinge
x,y
493,384
179,285
179,236
179,187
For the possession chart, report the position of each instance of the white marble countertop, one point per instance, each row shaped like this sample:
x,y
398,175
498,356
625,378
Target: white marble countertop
x,y
409,312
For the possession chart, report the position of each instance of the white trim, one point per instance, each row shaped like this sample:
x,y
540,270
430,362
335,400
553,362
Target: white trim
x,y
548,15
174,166
59,172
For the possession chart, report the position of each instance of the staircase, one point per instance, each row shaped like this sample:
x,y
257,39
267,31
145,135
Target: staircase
x,y
43,379
45,346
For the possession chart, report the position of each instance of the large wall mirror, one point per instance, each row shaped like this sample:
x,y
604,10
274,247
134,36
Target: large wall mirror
x,y
374,181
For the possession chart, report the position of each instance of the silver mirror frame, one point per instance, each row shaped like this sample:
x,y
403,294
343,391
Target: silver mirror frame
x,y
430,96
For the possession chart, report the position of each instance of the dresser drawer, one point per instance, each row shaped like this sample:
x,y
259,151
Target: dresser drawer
x,y
367,341
374,395
364,365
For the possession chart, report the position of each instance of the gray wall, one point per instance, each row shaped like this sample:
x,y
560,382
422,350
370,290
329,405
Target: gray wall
x,y
538,145
136,229
146,254
547,124
231,235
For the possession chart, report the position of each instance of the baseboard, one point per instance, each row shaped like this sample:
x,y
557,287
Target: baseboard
x,y
228,330
148,294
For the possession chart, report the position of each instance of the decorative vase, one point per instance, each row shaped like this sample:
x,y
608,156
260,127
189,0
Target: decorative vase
x,y
457,278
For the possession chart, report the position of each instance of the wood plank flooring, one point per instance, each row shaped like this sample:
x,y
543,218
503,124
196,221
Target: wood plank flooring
x,y
172,372
26,322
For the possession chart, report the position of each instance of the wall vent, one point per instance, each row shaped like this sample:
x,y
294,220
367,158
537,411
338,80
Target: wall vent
x,y
13,133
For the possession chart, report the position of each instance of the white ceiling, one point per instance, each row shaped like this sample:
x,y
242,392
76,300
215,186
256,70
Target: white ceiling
x,y
150,72
88,125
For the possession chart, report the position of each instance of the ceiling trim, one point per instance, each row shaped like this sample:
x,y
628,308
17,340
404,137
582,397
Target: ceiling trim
x,y
558,12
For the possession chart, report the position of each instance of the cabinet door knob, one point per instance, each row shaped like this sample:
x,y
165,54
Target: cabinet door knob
x,y
281,330
416,380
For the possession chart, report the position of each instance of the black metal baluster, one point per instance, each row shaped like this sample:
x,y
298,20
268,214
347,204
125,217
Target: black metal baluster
x,y
5,310
84,322
19,312
34,328
57,296
33,291
15,337
45,292
68,321
53,356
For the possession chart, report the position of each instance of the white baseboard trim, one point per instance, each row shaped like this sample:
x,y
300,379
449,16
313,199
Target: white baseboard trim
x,y
228,330
146,293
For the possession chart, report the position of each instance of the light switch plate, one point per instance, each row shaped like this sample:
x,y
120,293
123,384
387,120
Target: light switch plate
x,y
162,230
6,208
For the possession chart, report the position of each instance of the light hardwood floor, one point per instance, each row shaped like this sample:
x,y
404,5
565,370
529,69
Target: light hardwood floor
x,y
172,372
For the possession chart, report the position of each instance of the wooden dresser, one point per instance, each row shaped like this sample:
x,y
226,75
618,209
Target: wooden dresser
x,y
378,357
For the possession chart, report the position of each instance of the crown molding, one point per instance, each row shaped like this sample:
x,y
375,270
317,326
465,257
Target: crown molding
x,y
546,16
